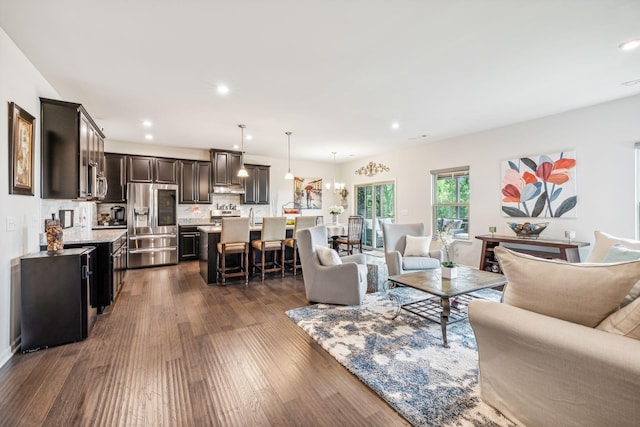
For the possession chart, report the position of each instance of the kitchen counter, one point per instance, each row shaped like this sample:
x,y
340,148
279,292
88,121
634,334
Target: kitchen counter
x,y
218,228
194,221
89,236
109,227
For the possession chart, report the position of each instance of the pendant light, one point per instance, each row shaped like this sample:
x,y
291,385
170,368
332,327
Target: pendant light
x,y
242,173
288,175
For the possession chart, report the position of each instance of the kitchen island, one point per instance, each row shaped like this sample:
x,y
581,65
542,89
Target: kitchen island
x,y
111,261
208,251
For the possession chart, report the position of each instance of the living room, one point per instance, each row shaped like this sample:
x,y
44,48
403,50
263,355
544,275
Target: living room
x,y
601,130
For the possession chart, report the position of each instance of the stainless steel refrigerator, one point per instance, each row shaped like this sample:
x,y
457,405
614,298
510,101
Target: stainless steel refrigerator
x,y
152,222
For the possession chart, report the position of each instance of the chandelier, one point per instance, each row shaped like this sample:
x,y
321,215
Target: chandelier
x,y
372,169
337,186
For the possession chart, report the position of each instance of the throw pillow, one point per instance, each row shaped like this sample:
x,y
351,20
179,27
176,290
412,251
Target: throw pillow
x,y
618,253
327,256
579,293
417,245
625,321
604,242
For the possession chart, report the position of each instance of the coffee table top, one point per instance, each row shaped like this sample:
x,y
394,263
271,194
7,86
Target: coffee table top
x,y
431,281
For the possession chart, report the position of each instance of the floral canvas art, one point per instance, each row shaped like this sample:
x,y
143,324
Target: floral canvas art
x,y
540,186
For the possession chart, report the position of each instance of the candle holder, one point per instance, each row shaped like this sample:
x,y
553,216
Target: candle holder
x,y
570,235
492,230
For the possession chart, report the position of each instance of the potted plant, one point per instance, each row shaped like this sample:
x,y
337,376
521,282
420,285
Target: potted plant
x,y
449,268
335,211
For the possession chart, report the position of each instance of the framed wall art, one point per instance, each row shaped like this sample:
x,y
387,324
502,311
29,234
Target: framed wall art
x,y
21,145
540,186
307,192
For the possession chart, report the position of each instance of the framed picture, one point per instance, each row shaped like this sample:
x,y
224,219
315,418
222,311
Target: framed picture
x,y
21,137
307,192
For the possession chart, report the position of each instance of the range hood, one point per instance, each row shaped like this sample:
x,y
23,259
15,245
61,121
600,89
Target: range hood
x,y
228,189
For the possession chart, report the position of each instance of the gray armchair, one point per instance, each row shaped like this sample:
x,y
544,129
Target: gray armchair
x,y
394,237
344,283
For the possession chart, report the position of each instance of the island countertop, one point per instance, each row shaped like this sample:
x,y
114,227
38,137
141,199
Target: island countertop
x,y
218,228
89,236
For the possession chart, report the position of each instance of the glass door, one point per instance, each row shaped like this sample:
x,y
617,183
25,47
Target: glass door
x,y
376,204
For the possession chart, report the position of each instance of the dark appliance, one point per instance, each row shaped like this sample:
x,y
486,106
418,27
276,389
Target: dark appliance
x,y
118,216
55,297
152,222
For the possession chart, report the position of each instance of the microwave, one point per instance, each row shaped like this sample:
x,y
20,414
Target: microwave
x,y
97,184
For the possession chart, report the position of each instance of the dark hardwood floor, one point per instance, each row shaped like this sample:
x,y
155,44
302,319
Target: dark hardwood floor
x,y
173,351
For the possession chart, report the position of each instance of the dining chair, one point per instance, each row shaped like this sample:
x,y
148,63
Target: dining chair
x,y
272,237
354,235
301,222
234,240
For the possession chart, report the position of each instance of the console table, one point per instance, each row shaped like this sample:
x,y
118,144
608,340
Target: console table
x,y
549,249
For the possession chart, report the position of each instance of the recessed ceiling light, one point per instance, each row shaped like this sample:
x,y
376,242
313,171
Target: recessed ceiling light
x,y
147,123
148,137
395,125
629,45
222,89
249,137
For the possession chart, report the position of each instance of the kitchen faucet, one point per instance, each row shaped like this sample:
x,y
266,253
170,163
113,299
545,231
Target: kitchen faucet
x,y
251,217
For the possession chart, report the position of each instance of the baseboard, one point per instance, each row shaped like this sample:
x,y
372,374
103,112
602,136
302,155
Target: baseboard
x,y
5,356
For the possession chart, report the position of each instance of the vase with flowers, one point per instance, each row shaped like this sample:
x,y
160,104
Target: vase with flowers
x,y
335,210
449,268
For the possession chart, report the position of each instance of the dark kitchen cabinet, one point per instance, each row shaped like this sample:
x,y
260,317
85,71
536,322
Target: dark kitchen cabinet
x,y
189,242
140,169
152,169
166,171
195,181
226,165
72,146
256,185
116,172
55,294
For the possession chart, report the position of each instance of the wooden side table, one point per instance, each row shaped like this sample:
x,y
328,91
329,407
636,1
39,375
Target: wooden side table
x,y
560,249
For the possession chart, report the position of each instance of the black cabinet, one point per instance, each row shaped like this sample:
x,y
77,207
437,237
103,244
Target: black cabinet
x,y
55,298
189,242
152,169
73,164
256,185
226,165
195,181
116,172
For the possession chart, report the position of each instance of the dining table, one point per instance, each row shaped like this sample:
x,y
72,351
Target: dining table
x,y
334,231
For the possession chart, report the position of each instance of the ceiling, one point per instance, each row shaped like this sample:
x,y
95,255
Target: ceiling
x,y
335,73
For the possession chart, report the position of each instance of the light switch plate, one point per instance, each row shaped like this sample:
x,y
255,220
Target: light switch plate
x,y
11,223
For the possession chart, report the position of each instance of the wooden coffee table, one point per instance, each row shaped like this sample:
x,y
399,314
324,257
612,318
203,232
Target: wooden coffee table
x,y
452,293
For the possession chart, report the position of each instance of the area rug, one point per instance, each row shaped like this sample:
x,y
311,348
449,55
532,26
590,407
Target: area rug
x,y
403,359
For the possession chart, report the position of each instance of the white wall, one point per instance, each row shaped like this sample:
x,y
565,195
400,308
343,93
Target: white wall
x,y
603,137
21,83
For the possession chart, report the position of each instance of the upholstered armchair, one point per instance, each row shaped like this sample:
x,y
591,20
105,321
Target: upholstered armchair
x,y
341,280
399,260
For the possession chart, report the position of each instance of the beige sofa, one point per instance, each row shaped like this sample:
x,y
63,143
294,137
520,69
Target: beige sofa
x,y
559,351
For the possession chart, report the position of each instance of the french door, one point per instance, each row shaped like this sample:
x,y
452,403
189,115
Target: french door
x,y
376,203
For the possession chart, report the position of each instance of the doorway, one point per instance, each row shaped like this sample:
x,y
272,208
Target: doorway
x,y
376,203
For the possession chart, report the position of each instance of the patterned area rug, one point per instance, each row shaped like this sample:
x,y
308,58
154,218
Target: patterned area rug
x,y
403,360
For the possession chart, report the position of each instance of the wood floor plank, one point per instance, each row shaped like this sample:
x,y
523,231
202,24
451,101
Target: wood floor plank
x,y
174,351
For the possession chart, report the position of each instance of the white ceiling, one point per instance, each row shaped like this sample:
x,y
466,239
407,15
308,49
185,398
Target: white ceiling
x,y
335,73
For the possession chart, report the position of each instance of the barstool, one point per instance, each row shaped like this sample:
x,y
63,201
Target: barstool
x,y
234,239
274,232
300,223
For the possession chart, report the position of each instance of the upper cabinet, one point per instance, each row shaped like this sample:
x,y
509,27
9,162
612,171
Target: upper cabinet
x,y
226,165
195,181
152,169
73,164
116,172
256,185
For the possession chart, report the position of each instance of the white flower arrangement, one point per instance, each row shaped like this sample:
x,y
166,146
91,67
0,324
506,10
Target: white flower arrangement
x,y
336,210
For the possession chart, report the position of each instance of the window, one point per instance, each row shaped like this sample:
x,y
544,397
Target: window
x,y
376,204
451,200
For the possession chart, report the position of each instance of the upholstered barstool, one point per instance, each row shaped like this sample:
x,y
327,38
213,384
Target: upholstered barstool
x,y
354,234
272,237
300,223
234,239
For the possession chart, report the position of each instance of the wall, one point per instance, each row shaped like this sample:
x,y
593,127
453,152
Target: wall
x,y
603,137
21,83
